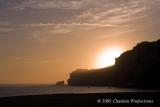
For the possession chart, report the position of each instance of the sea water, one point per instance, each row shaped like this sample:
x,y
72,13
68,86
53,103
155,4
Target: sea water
x,y
20,90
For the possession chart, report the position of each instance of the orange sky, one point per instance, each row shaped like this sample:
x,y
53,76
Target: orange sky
x,y
42,43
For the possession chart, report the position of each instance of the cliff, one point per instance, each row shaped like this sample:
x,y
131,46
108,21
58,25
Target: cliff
x,y
60,83
138,68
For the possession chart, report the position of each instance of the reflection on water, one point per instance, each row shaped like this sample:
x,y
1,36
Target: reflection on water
x,y
18,90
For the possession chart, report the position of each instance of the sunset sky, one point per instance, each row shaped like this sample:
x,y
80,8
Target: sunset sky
x,y
42,41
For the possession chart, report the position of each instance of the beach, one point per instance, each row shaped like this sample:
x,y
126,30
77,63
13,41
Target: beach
x,y
129,99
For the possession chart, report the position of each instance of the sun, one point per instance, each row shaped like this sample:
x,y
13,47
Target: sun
x,y
107,57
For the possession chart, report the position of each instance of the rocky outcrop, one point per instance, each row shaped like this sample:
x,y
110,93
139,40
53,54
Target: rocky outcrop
x,y
60,83
138,67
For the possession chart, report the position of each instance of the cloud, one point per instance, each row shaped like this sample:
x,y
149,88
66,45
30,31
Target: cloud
x,y
5,23
4,30
91,12
47,30
53,4
117,11
82,15
60,31
6,26
29,60
65,24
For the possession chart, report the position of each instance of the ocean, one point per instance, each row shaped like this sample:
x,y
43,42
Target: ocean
x,y
20,90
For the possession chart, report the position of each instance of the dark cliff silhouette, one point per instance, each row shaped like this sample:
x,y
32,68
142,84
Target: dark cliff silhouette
x,y
138,68
60,83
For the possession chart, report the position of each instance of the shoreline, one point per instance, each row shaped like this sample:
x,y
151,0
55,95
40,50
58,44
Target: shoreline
x,y
149,99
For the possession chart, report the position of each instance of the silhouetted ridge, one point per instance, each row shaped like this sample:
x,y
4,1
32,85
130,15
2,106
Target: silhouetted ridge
x,y
138,67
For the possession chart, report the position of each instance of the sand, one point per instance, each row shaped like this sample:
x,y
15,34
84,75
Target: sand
x,y
129,99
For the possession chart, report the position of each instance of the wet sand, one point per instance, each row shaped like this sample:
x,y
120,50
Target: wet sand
x,y
129,99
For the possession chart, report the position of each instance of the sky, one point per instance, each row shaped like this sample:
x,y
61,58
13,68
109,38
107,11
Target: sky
x,y
42,41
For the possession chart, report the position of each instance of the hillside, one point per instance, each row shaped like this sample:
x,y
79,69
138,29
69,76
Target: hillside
x,y
138,68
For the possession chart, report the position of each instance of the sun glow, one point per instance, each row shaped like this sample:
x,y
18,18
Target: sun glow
x,y
107,57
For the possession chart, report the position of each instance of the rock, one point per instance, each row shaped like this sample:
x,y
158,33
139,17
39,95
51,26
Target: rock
x,y
137,68
60,83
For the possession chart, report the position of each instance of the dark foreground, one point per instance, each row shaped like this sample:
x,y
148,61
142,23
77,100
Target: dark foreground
x,y
129,99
